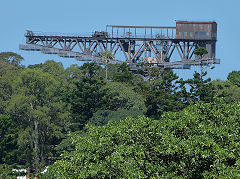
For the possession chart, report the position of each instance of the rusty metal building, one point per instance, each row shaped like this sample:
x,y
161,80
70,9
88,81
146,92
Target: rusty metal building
x,y
204,31
196,30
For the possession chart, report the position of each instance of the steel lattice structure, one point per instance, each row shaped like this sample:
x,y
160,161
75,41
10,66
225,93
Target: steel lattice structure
x,y
151,44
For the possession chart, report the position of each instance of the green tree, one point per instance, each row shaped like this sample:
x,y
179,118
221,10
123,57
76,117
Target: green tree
x,y
122,102
201,51
39,111
163,95
200,89
8,73
11,58
106,56
9,153
124,96
201,141
87,95
102,117
234,77
124,74
112,70
226,90
120,153
73,73
150,73
50,66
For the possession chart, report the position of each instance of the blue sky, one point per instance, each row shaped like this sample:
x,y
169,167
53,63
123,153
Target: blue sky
x,y
78,16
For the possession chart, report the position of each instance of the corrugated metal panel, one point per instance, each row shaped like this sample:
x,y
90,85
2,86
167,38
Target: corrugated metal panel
x,y
196,30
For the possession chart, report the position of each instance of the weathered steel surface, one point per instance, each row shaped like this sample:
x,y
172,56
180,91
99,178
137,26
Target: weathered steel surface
x,y
196,30
155,44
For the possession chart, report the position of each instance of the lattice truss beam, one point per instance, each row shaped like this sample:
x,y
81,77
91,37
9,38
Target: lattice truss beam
x,y
155,51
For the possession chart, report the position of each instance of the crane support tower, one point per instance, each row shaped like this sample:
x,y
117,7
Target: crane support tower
x,y
166,47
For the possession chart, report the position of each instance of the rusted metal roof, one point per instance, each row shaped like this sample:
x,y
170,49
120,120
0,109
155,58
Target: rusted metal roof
x,y
195,22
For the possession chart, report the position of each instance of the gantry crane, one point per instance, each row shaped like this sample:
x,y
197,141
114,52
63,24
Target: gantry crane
x,y
159,46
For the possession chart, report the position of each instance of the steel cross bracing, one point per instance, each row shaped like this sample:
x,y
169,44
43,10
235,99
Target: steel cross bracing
x,y
156,50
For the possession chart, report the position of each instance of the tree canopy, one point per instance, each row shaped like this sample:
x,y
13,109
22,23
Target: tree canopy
x,y
143,124
201,141
11,58
234,77
201,51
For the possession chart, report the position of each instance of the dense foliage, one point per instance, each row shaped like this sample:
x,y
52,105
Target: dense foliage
x,y
201,141
46,111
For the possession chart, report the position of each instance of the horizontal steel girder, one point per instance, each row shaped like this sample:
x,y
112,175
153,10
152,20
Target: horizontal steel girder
x,y
154,51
